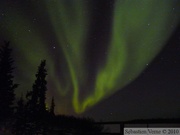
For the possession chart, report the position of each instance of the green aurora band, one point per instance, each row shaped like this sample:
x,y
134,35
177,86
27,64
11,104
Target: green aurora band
x,y
138,31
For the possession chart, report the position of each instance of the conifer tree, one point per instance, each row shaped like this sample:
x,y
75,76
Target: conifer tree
x,y
36,101
52,107
7,85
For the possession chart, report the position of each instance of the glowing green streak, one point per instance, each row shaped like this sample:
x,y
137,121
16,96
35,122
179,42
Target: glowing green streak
x,y
70,33
106,79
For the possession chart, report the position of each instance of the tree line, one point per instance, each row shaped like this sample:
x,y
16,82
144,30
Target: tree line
x,y
30,116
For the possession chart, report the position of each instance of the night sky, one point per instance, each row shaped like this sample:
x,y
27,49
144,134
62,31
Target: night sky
x,y
106,59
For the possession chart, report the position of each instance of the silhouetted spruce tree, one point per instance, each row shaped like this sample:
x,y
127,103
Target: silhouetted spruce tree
x,y
36,102
7,85
52,107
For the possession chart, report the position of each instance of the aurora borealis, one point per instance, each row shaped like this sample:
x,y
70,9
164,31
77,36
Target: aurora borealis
x,y
93,48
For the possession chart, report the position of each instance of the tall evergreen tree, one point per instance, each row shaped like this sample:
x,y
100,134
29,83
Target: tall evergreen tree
x,y
40,85
52,107
36,101
7,85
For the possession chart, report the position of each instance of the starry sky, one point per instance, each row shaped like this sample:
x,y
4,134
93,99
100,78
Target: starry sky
x,y
106,59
